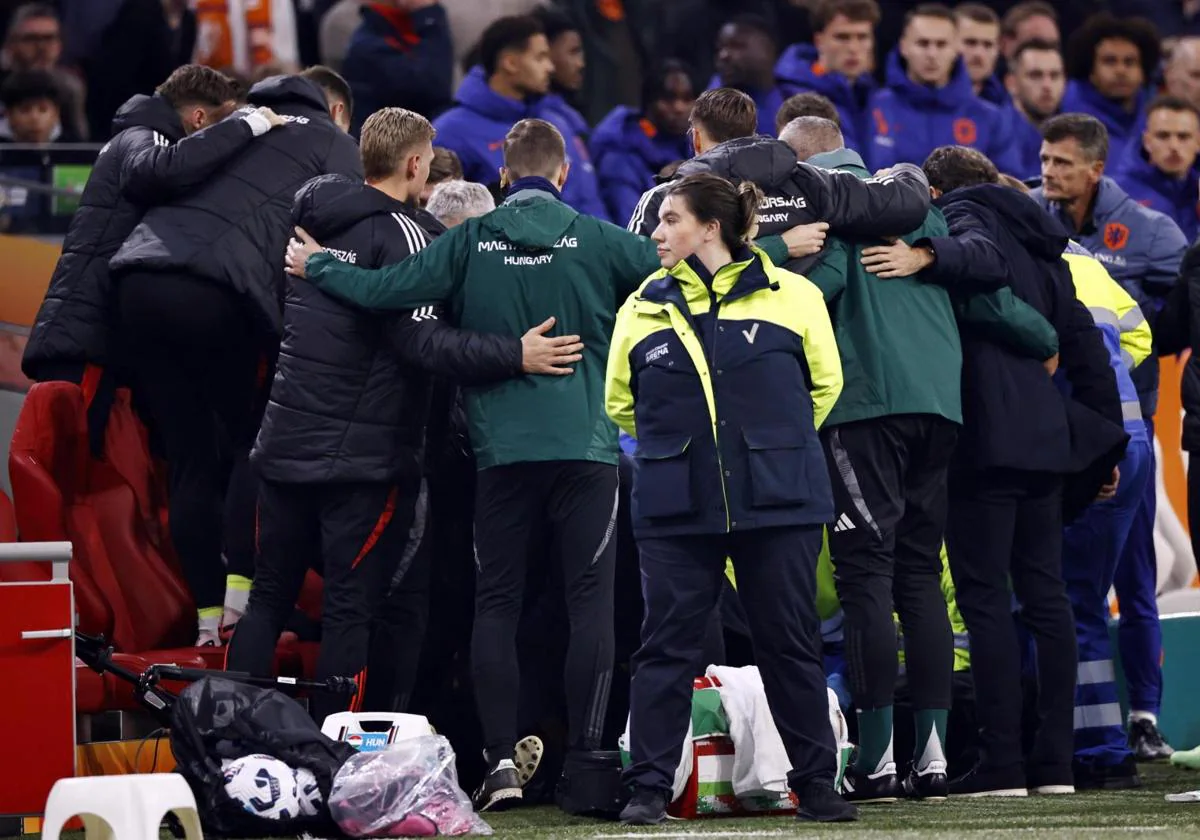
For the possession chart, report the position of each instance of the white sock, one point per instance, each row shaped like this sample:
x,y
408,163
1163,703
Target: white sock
x,y
210,630
1150,716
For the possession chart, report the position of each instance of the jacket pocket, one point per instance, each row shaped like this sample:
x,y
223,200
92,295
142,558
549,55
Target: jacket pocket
x,y
778,461
662,485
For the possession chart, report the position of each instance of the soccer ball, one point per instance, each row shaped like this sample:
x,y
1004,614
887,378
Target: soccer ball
x,y
309,792
264,786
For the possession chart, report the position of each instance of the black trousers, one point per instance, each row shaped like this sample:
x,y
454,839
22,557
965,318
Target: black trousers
x,y
398,633
681,582
889,488
195,364
1007,524
577,500
353,533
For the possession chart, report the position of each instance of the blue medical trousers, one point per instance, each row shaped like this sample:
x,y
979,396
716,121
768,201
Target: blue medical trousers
x,y
1092,550
1139,636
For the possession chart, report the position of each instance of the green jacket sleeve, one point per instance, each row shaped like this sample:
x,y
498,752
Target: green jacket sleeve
x,y
631,258
1004,318
429,276
829,275
774,247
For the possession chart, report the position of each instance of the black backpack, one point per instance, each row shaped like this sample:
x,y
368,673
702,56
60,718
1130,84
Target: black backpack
x,y
217,719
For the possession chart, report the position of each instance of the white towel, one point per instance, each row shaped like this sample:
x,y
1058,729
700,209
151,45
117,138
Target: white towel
x,y
683,770
760,763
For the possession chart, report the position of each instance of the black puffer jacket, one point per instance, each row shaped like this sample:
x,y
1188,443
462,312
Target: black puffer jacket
x,y
233,230
799,193
1178,328
148,149
1014,416
351,393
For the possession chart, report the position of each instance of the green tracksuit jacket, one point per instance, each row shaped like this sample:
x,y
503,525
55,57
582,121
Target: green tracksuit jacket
x,y
505,272
898,338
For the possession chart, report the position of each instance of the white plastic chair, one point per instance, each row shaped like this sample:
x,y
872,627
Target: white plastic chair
x,y
130,807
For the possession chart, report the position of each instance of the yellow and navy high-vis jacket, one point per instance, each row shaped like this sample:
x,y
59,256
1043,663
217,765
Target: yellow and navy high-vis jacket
x,y
724,380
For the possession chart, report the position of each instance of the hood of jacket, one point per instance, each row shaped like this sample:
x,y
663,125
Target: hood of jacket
x,y
530,219
330,204
1109,199
764,160
288,93
953,96
475,95
1042,235
840,159
1179,191
799,67
625,130
1082,96
556,105
151,112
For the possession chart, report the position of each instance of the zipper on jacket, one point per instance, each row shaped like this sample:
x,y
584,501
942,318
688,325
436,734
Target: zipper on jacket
x,y
715,309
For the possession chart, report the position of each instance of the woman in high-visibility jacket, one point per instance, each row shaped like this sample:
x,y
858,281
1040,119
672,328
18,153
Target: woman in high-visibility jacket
x,y
722,367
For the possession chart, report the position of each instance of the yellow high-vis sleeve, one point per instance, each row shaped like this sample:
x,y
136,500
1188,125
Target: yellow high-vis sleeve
x,y
821,350
618,398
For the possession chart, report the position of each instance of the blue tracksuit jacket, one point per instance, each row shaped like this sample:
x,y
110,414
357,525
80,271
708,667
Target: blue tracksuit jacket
x,y
798,71
1142,250
1150,187
911,120
627,152
475,127
1027,144
1123,126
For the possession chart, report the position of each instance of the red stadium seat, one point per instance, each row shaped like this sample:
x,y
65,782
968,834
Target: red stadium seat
x,y
8,519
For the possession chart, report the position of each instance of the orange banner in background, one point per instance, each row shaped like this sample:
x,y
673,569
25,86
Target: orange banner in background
x,y
27,265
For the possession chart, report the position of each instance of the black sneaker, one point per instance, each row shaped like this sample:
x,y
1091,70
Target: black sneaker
x,y
1146,742
1123,776
982,781
501,788
864,789
647,806
819,802
930,783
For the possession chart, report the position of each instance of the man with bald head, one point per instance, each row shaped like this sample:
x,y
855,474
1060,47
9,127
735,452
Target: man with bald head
x,y
888,443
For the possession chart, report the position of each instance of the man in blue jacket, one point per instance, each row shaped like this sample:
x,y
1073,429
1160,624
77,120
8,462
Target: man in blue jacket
x,y
1111,63
839,68
1142,250
1160,171
746,53
400,55
631,146
1038,81
928,100
512,84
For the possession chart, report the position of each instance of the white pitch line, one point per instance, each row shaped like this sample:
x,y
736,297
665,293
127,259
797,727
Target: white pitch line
x,y
866,829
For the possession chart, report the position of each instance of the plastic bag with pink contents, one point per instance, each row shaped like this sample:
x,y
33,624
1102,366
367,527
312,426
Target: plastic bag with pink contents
x,y
409,790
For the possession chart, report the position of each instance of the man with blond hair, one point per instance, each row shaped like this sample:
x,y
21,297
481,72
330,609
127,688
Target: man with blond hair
x,y
340,447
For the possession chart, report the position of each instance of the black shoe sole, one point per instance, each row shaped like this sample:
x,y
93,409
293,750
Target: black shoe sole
x,y
659,821
808,816
874,800
501,800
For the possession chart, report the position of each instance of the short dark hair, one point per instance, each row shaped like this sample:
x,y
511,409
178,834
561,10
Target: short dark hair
x,y
934,10
534,147
195,84
977,12
503,34
31,11
29,86
654,83
951,167
445,166
1172,103
332,83
712,198
755,23
1105,26
554,21
1022,12
725,113
1034,45
806,105
858,11
1086,129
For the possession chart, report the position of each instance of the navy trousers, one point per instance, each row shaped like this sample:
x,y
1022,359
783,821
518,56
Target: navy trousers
x,y
776,581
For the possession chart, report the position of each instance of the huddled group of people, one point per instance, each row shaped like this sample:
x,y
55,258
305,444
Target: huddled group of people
x,y
844,385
